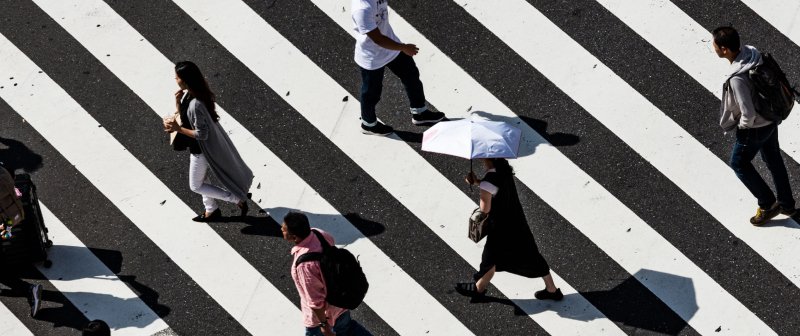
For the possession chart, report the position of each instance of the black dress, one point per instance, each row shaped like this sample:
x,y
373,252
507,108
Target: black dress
x,y
510,246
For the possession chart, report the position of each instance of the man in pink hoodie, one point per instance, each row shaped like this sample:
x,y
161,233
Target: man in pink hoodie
x,y
754,133
319,317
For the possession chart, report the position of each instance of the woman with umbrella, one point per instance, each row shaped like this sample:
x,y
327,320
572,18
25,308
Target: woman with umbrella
x,y
510,246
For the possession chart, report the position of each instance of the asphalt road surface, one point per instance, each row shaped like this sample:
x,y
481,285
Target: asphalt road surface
x,y
622,170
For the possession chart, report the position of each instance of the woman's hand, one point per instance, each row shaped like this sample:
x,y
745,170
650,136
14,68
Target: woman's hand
x,y
171,125
178,96
471,178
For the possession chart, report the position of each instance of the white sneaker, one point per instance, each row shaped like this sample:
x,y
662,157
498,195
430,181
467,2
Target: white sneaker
x,y
36,299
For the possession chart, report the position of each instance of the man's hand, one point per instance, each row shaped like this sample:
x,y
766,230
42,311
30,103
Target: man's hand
x,y
409,49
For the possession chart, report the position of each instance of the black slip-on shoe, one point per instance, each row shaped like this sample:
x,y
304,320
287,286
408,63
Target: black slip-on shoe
x,y
545,295
216,214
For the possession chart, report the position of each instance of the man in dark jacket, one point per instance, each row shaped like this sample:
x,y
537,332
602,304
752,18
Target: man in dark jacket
x,y
754,133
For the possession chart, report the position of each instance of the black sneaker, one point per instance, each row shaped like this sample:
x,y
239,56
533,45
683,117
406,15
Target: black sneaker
x,y
545,295
427,117
764,215
36,299
378,129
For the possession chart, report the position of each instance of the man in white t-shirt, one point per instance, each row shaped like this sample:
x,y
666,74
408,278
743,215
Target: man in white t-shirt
x,y
377,47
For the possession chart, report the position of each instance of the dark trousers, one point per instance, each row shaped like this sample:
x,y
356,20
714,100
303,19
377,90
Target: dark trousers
x,y
372,85
748,143
344,325
15,283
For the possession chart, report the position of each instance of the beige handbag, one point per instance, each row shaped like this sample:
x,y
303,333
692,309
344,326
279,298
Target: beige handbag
x,y
173,134
478,225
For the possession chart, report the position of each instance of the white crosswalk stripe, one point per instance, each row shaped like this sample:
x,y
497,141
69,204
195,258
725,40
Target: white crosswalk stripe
x,y
256,297
117,38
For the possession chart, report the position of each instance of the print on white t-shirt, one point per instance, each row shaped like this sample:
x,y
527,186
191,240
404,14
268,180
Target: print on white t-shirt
x,y
368,15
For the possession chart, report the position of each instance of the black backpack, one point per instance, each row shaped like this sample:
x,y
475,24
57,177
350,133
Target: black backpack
x,y
345,282
775,97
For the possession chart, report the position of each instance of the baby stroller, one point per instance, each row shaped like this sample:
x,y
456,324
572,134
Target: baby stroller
x,y
23,238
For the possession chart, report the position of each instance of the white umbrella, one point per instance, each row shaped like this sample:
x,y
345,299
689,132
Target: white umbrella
x,y
473,139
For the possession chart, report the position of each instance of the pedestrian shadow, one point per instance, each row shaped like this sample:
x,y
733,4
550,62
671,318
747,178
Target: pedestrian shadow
x,y
410,137
413,137
17,155
261,225
787,222
619,306
531,141
345,229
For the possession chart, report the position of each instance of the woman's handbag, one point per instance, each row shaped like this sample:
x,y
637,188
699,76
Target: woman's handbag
x,y
478,225
174,134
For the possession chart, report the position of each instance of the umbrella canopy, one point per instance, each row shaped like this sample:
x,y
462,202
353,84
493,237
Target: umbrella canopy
x,y
473,139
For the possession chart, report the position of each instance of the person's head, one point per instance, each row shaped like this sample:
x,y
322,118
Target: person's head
x,y
499,165
97,328
189,77
295,227
726,42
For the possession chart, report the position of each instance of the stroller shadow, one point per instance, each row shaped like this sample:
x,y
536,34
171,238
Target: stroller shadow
x,y
66,314
18,156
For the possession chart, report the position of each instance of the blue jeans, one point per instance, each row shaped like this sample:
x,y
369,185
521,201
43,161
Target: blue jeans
x,y
372,86
344,326
748,143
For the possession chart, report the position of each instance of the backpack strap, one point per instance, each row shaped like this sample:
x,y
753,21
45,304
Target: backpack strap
x,y
322,241
309,256
314,256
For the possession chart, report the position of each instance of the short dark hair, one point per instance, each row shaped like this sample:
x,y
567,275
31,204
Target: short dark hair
x,y
727,37
297,224
97,328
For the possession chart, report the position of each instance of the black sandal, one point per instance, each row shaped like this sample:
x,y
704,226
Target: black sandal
x,y
244,206
469,289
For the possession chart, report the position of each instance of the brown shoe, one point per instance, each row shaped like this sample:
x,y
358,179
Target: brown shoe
x,y
764,215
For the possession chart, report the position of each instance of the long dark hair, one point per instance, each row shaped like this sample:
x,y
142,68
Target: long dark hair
x,y
190,74
502,166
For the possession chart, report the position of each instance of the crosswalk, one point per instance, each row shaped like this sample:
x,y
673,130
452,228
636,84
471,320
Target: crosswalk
x,y
637,213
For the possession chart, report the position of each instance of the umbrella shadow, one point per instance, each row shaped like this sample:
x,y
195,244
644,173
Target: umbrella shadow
x,y
340,226
529,141
17,155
